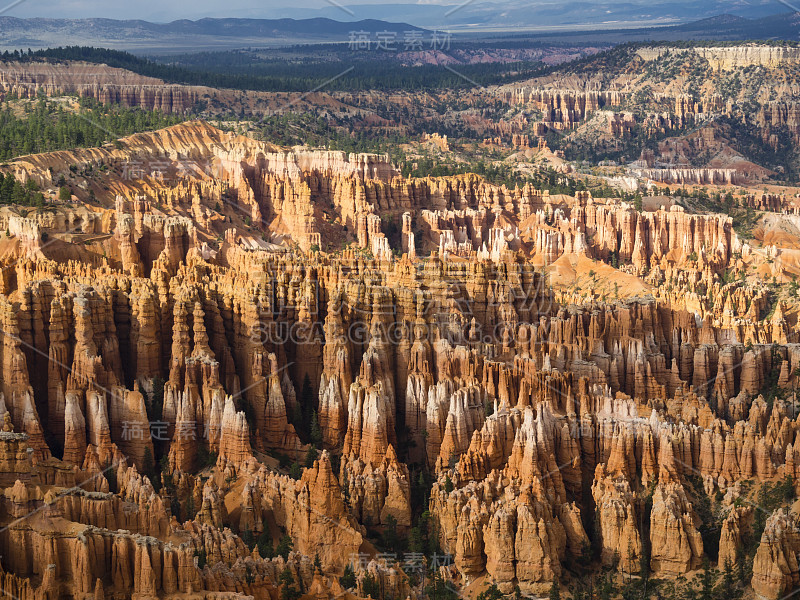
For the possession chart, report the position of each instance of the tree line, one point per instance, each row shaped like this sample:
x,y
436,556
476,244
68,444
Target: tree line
x,y
14,192
357,71
46,126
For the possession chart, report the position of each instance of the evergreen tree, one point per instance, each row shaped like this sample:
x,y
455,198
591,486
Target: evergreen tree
x,y
727,588
706,582
392,540
248,538
47,127
316,431
607,589
295,471
416,540
348,580
371,587
297,419
439,589
306,408
264,544
284,547
289,589
491,593
155,407
311,456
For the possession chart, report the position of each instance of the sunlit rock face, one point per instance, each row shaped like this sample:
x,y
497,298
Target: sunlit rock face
x,y
228,358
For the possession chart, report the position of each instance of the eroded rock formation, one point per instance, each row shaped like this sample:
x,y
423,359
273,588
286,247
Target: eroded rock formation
x,y
161,382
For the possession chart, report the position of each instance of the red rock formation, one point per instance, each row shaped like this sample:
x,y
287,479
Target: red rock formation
x,y
536,410
234,443
775,568
674,539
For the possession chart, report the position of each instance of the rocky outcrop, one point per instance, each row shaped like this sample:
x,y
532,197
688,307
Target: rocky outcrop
x,y
775,568
621,538
736,528
234,442
105,84
676,546
159,387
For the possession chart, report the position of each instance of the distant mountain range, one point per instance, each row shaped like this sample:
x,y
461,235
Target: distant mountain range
x,y
723,27
465,15
731,27
183,35
572,22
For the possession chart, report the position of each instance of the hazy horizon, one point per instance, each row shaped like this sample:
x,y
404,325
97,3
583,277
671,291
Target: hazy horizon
x,y
156,11
160,12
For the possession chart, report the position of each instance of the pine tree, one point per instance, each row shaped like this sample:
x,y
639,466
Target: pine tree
x,y
311,456
306,407
284,547
295,471
728,589
316,431
264,544
156,404
371,587
247,538
289,589
488,408
348,580
439,588
391,539
707,582
491,593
